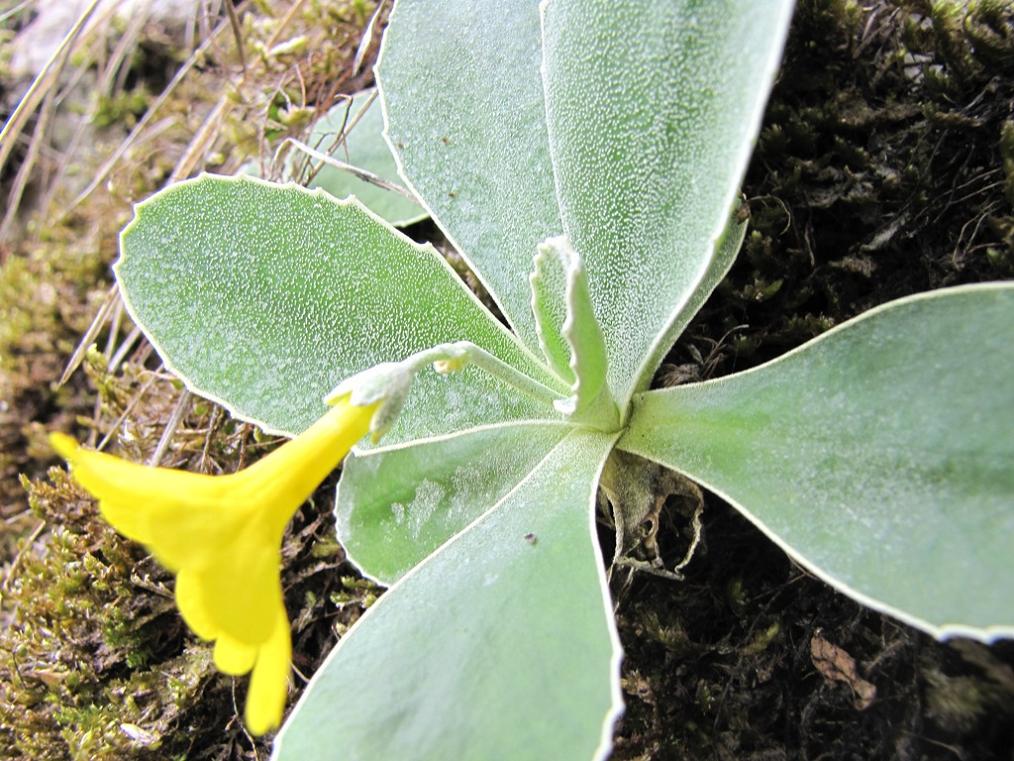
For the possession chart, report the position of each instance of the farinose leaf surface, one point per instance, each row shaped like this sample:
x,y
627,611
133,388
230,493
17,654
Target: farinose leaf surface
x,y
265,296
363,147
582,337
652,112
548,281
395,507
500,646
878,455
465,116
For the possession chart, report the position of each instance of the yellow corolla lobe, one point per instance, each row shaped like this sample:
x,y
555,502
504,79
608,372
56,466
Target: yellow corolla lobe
x,y
222,537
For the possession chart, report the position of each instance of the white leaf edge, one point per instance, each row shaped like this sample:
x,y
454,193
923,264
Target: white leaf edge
x,y
465,256
665,337
352,201
616,706
943,632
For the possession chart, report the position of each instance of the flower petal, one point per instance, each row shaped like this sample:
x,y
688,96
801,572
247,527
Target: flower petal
x,y
182,517
269,684
190,601
222,535
191,534
241,589
126,519
284,479
233,657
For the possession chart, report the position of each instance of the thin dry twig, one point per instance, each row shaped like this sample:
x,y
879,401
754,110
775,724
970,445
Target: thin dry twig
x,y
367,39
121,352
237,32
109,78
126,412
201,142
114,331
121,149
51,73
15,10
290,14
98,322
362,174
170,428
42,84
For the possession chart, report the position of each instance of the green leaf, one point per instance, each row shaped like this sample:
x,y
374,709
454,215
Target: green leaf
x,y
363,147
878,455
395,507
500,646
590,400
726,250
548,281
652,110
264,296
465,117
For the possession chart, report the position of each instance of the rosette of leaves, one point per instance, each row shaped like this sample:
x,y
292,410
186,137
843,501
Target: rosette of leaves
x,y
584,157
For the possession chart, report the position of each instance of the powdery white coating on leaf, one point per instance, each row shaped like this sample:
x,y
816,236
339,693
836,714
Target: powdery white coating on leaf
x,y
548,283
398,511
726,249
879,455
395,507
652,109
465,117
428,497
581,336
505,631
265,296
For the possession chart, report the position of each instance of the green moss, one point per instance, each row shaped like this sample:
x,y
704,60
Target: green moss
x,y
121,108
876,172
96,663
958,703
1007,154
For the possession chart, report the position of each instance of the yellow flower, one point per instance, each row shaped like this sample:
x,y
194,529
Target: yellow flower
x,y
221,536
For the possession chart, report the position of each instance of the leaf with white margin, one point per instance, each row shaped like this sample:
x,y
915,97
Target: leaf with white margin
x,y
880,455
501,645
363,147
589,401
726,250
265,296
652,112
462,96
548,281
394,507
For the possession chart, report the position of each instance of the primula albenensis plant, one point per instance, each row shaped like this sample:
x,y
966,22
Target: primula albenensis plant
x,y
584,157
